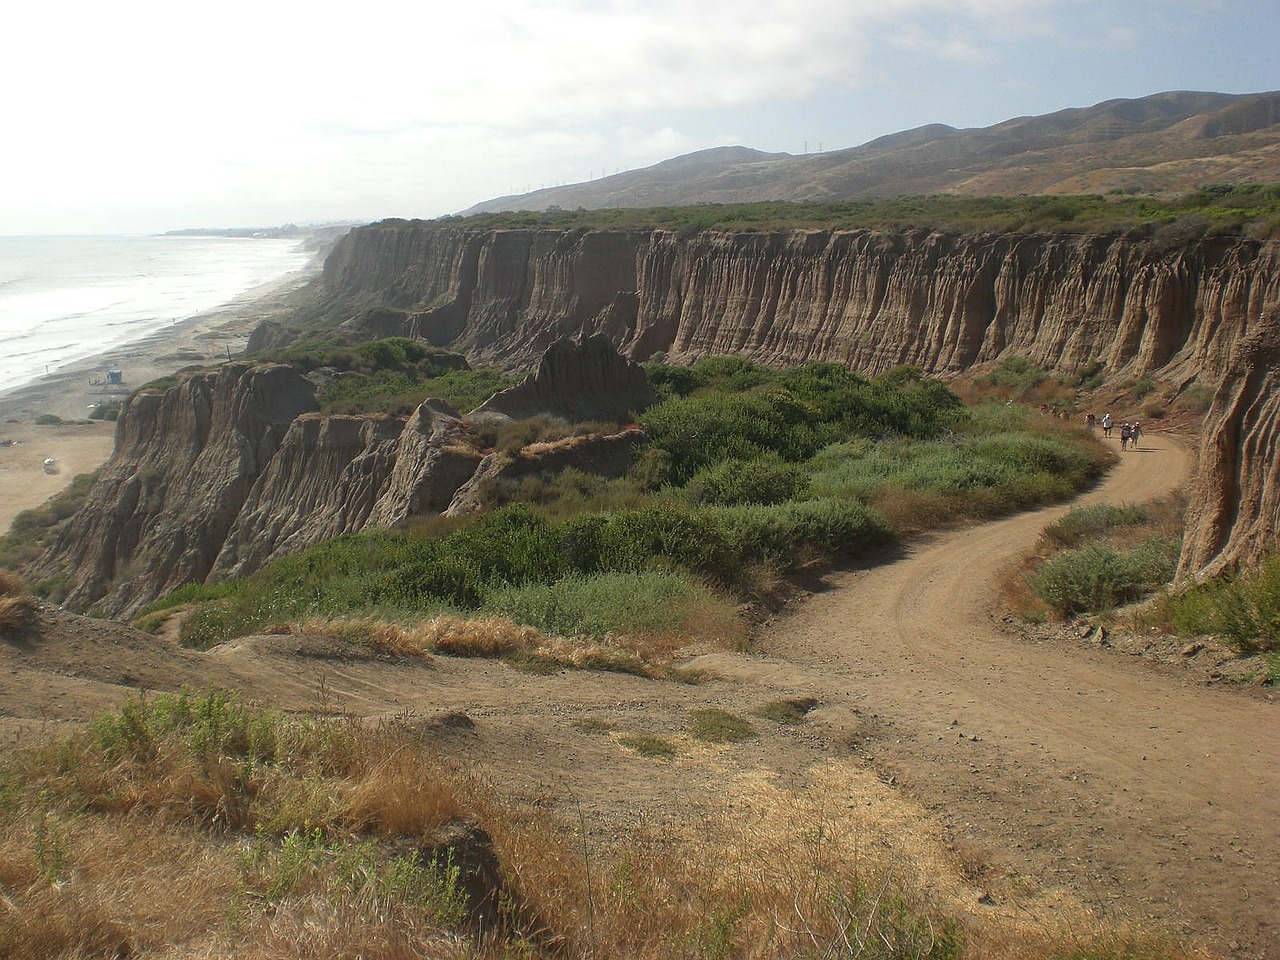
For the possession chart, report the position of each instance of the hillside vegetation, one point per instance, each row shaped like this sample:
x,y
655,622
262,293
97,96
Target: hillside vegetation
x,y
748,475
1246,209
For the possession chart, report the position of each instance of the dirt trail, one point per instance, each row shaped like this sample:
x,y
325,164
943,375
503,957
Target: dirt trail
x,y
1140,790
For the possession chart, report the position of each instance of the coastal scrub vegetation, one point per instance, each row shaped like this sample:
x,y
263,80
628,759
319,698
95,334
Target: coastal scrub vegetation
x,y
1101,556
1242,607
390,375
1220,209
32,530
193,824
748,475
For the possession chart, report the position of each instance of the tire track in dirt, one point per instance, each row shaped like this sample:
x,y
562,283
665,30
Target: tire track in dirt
x,y
1151,796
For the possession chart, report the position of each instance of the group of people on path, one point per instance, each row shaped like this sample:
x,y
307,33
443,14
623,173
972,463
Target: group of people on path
x,y
1130,433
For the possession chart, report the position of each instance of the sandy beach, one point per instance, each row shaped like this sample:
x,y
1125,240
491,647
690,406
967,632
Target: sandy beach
x,y
80,445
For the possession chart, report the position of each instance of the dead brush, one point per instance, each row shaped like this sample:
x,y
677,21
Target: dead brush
x,y
403,793
384,636
477,637
17,608
11,585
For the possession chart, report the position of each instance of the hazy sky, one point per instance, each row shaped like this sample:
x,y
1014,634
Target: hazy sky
x,y
139,116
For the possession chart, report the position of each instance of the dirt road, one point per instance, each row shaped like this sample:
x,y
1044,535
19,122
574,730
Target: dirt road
x,y
1135,787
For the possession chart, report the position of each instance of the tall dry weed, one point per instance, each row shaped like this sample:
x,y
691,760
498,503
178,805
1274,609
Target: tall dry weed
x,y
11,585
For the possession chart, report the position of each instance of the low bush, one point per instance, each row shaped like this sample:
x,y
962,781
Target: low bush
x,y
766,480
1099,577
784,534
1094,522
600,604
1243,608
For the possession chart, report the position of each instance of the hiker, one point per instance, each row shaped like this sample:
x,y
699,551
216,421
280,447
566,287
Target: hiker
x,y
1106,425
1135,432
1126,434
1089,422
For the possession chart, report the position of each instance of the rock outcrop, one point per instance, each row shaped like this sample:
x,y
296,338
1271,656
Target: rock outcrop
x,y
576,380
225,471
1234,513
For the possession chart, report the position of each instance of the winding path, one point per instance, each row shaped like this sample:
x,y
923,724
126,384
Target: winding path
x,y
1141,790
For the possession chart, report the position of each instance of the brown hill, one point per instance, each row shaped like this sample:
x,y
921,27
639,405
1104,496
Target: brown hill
x,y
1172,141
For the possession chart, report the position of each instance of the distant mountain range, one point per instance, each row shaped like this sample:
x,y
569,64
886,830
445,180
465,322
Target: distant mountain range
x,y
1173,141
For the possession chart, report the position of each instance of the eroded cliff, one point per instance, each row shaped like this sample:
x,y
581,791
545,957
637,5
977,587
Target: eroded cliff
x,y
1180,312
224,471
219,474
866,299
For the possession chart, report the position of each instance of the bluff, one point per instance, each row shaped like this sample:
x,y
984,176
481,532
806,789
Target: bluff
x,y
226,470
1179,312
862,298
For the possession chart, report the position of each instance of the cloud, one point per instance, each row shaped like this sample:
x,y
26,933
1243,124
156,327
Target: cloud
x,y
333,109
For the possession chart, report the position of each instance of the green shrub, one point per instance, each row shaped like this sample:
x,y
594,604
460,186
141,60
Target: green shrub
x,y
1015,373
1094,522
765,480
1099,577
598,605
782,534
48,420
1243,609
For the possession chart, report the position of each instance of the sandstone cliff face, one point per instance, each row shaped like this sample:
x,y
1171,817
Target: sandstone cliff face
x,y
861,298
1234,514
183,463
225,471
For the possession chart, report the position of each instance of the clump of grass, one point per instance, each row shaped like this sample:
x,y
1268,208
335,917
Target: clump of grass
x,y
592,725
1243,608
713,725
648,746
794,710
17,609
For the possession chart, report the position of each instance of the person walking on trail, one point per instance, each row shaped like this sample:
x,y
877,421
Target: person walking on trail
x,y
1106,425
1126,435
1135,432
1089,422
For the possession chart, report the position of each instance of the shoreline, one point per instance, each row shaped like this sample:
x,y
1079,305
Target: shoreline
x,y
210,338
78,445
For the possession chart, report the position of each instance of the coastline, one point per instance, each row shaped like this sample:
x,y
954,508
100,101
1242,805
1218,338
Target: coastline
x,y
81,446
209,338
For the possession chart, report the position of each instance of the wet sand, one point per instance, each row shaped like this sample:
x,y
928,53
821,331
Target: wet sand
x,y
81,445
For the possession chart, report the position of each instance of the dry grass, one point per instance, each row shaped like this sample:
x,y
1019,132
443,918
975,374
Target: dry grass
x,y
17,609
645,654
11,585
100,856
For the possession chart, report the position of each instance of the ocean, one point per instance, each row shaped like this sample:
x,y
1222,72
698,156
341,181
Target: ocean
x,y
64,299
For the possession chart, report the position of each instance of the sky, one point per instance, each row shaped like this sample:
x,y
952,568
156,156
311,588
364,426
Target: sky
x,y
138,116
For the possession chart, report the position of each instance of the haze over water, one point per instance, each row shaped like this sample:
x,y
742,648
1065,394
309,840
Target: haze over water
x,y
64,299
